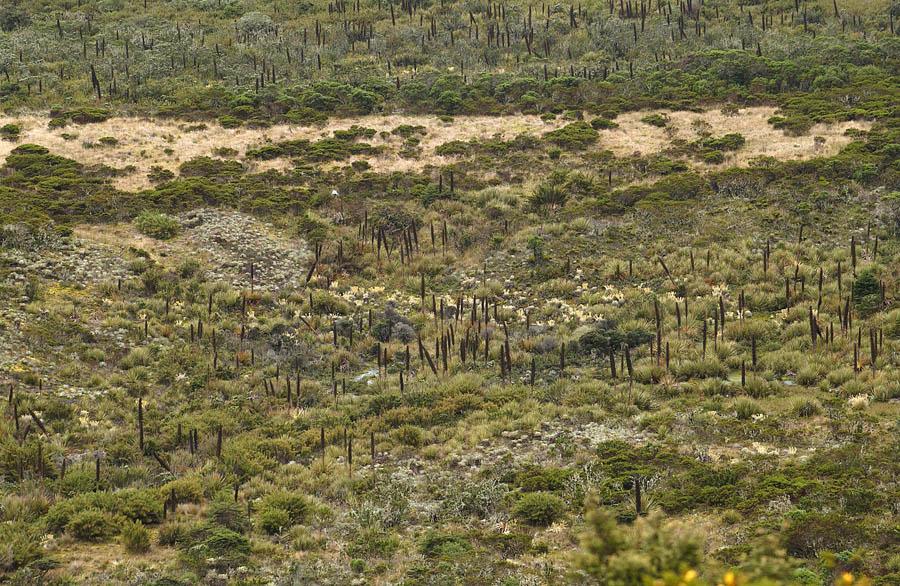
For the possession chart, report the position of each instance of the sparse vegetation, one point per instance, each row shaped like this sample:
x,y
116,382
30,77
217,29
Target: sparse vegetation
x,y
445,293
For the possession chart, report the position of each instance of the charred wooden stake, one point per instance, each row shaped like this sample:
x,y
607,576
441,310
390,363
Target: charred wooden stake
x,y
638,506
350,455
140,415
704,337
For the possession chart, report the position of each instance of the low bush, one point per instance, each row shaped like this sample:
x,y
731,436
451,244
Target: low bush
x,y
438,544
142,505
20,546
157,225
92,525
539,508
10,132
135,537
603,124
658,120
575,136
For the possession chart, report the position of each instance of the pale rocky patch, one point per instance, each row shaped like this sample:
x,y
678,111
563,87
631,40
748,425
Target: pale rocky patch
x,y
225,242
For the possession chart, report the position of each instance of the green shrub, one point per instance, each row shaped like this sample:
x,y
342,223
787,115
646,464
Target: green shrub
x,y
603,124
409,435
535,479
792,125
157,225
91,525
20,546
713,157
453,148
335,149
355,132
159,174
216,546
866,284
135,537
85,115
217,170
654,549
408,130
606,335
274,520
227,513
658,120
62,511
539,508
438,544
187,489
729,142
575,136
76,482
10,132
867,292
266,152
296,505
142,505
228,121
678,187
811,533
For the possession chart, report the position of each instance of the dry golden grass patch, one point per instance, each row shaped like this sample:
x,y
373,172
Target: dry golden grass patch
x,y
635,136
83,560
145,142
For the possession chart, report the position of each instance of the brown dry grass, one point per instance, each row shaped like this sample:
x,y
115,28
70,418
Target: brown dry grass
x,y
82,561
145,142
124,236
634,136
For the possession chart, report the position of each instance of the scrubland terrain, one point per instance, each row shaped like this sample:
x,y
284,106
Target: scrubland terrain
x,y
449,293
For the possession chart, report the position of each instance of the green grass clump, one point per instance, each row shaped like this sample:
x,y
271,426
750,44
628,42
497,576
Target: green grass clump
x,y
135,537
